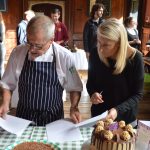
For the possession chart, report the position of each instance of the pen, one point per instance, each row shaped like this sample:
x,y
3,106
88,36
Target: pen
x,y
101,92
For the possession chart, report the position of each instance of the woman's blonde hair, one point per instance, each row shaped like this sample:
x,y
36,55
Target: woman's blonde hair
x,y
114,30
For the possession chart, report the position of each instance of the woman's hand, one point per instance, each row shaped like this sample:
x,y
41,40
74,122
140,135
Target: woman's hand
x,y
96,98
136,41
112,114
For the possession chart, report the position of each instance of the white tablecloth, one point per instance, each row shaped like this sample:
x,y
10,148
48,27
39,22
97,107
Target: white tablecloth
x,y
80,60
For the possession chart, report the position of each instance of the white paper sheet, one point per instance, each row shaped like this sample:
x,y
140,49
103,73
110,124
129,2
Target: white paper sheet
x,y
14,125
62,131
90,122
143,138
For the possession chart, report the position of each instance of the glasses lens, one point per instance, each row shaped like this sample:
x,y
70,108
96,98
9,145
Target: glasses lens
x,y
34,46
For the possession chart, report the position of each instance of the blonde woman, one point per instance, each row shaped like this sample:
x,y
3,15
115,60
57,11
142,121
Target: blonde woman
x,y
2,45
116,74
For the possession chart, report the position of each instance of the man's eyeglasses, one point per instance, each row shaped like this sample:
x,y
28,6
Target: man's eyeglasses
x,y
36,46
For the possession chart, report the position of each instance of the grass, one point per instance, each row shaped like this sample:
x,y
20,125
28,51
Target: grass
x,y
147,78
147,85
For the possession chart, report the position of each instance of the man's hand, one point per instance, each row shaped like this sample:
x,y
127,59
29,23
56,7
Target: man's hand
x,y
75,114
4,109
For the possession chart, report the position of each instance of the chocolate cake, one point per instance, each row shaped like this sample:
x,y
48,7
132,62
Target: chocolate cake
x,y
109,135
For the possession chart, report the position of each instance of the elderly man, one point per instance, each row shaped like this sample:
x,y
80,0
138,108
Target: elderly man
x,y
42,69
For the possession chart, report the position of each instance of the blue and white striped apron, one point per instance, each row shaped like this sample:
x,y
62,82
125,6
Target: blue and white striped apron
x,y
40,92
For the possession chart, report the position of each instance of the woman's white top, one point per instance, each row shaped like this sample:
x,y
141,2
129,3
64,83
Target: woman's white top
x,y
132,31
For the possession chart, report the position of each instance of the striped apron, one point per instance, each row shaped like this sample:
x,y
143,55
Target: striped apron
x,y
40,92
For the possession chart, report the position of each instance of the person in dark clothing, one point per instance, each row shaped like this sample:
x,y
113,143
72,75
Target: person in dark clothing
x,y
117,69
132,32
90,28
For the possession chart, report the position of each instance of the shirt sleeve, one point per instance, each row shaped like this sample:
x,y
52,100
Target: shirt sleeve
x,y
9,79
72,80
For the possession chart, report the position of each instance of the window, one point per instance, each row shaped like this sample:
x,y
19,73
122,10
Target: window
x,y
3,4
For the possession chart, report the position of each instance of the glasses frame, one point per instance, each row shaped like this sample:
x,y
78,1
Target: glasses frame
x,y
36,46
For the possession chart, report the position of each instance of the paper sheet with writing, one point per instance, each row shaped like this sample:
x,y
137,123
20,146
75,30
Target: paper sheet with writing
x,y
62,131
143,137
14,125
90,122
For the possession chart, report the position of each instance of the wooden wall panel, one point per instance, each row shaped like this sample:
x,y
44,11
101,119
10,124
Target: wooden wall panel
x,y
76,14
147,14
144,20
11,19
145,38
118,8
80,16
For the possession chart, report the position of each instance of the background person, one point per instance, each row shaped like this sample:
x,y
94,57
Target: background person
x,y
2,45
132,32
90,28
21,29
117,70
61,33
42,69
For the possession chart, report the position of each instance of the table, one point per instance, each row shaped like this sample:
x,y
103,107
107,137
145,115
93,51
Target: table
x,y
39,133
80,59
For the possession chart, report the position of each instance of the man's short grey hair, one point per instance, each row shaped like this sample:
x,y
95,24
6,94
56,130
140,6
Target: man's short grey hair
x,y
41,23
